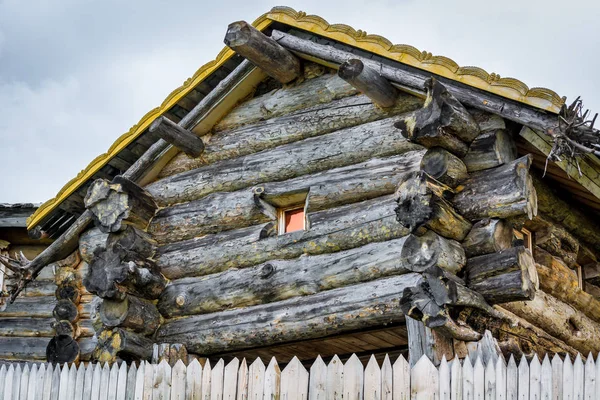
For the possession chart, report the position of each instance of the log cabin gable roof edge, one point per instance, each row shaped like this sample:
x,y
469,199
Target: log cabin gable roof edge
x,y
510,88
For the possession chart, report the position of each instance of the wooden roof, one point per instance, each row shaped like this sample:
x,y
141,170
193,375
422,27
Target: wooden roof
x,y
58,213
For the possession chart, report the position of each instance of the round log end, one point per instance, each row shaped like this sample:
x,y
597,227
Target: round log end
x,y
65,310
157,123
62,349
238,33
350,69
114,312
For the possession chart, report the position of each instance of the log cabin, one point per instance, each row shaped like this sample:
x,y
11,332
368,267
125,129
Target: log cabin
x,y
317,190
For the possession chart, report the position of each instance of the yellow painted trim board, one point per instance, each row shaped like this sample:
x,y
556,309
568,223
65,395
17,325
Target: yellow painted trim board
x,y
473,76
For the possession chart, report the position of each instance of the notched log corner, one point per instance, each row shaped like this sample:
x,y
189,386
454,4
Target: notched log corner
x,y
111,204
62,349
123,344
442,122
422,202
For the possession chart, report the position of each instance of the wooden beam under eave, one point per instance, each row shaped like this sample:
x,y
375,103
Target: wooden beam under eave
x,y
179,137
262,51
369,82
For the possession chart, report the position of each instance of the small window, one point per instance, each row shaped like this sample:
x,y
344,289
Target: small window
x,y
291,219
526,236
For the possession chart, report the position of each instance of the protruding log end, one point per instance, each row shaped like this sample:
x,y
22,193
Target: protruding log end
x,y
444,166
65,310
184,140
122,343
62,349
369,82
133,313
488,236
262,51
37,233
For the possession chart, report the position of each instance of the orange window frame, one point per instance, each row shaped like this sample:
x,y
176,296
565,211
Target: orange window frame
x,y
284,218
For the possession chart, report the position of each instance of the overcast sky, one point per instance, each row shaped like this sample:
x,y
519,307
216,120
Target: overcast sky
x,y
76,74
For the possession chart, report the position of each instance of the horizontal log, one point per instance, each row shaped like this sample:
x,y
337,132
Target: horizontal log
x,y
369,82
23,348
442,122
33,307
41,288
330,230
431,249
230,210
184,140
25,327
508,275
488,236
502,192
337,149
278,280
421,202
559,320
122,200
86,348
121,343
327,313
490,150
321,90
558,280
444,166
262,51
132,313
486,120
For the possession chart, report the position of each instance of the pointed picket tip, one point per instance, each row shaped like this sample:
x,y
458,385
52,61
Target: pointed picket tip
x,y
318,365
535,361
444,361
578,359
556,359
219,364
179,365
511,361
273,363
164,363
196,364
567,359
257,363
467,360
353,359
372,362
425,361
478,360
234,362
335,360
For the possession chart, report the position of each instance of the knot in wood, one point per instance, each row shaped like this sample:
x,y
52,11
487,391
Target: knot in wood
x,y
180,300
259,190
267,270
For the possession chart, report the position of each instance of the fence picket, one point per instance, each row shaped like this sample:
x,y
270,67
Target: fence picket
x,y
162,381
87,382
456,379
139,381
242,386
79,380
598,377
256,380
546,385
122,382
64,382
353,379
335,379
96,382
24,383
578,378
372,383
444,373
272,381
467,379
567,379
387,379
17,382
535,369
500,378
478,379
33,378
193,388
589,389
512,381
3,380
490,378
523,378
230,380
178,381
55,383
48,375
131,381
424,380
39,384
206,381
294,381
216,381
113,381
557,378
8,386
317,385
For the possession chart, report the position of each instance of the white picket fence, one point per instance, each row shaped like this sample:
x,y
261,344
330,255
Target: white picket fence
x,y
454,380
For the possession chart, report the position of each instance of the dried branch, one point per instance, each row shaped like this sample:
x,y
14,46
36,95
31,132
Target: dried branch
x,y
574,135
19,266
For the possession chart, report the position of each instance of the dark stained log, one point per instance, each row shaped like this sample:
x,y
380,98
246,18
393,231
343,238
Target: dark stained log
x,y
317,120
26,327
336,229
337,149
558,280
91,240
369,82
320,91
123,344
426,341
262,51
183,139
431,298
65,310
509,275
421,253
32,307
415,79
68,291
65,328
488,236
123,267
37,233
489,150
444,166
121,201
421,203
232,210
442,122
559,320
132,313
278,280
332,312
501,192
557,241
591,273
487,121
62,349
